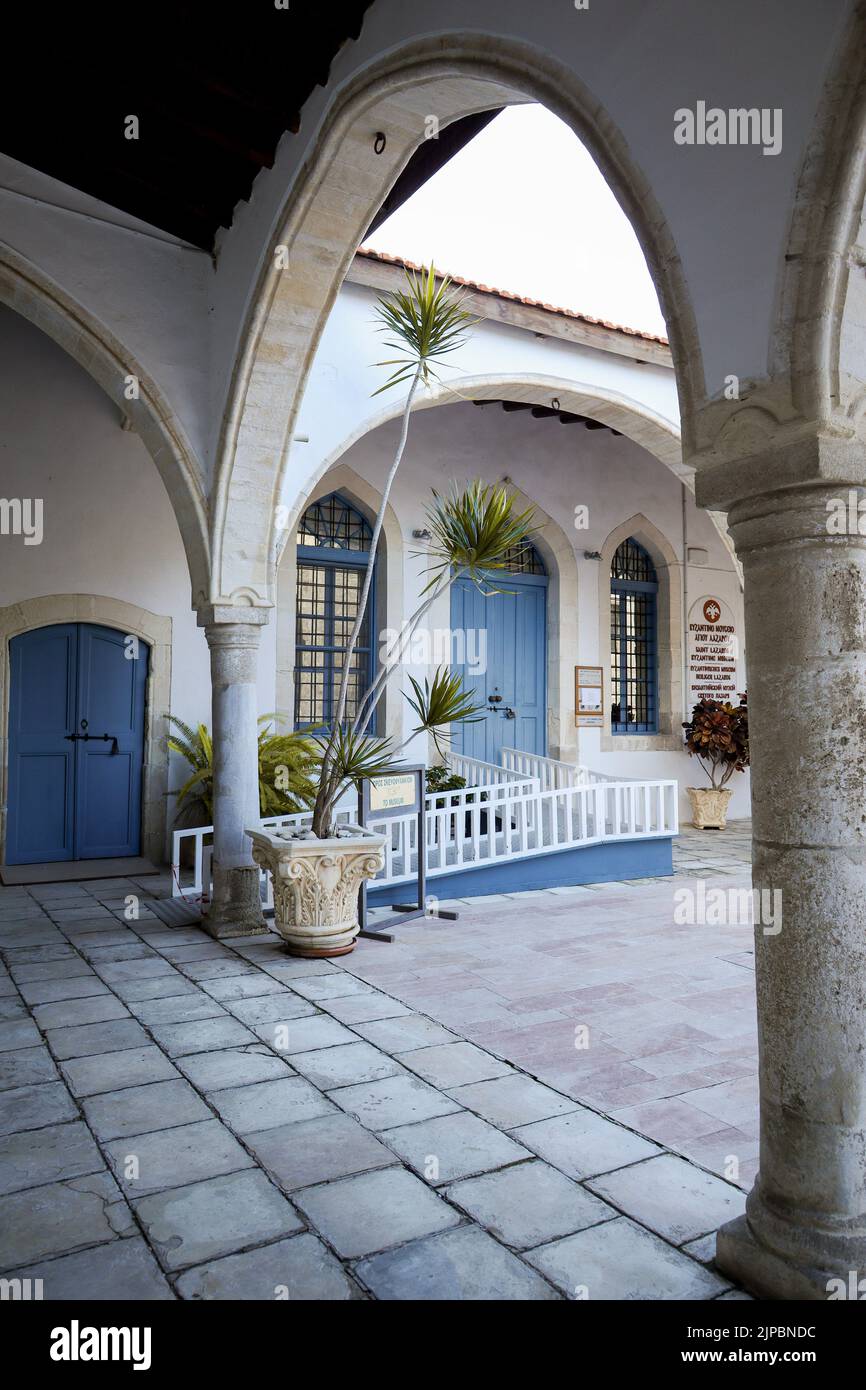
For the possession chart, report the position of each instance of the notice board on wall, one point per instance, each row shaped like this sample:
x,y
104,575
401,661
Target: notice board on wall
x,y
589,697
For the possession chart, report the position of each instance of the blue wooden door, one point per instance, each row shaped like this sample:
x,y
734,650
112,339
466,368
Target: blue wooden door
x,y
72,793
504,641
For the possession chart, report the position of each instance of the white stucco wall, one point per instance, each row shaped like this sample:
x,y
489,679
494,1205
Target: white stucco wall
x,y
108,526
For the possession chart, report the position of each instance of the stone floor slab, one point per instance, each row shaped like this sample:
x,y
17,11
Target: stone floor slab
x,y
176,1008
513,1100
397,1100
54,991
306,1034
114,1071
315,1151
529,1204
31,1107
18,1033
620,1260
59,1218
398,1035
32,1158
463,1265
582,1144
93,1038
300,1270
369,1213
234,1066
202,1035
124,1269
190,1224
246,986
173,1157
362,1008
268,1104
453,1146
67,1013
140,1109
26,1068
455,1064
335,986
345,1065
281,1007
673,1198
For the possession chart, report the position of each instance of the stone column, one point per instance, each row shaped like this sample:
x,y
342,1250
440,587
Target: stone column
x,y
805,597
233,638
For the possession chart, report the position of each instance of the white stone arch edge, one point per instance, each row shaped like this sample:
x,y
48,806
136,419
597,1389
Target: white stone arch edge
x,y
652,431
28,291
151,628
389,587
324,216
669,570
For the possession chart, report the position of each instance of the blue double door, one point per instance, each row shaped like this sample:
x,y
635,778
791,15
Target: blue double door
x,y
76,744
503,665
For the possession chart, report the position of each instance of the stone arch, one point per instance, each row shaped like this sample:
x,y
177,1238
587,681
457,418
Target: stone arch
x,y
670,634
152,628
652,431
826,249
326,213
28,291
389,586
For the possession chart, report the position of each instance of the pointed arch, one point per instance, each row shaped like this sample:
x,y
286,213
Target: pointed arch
x,y
31,293
669,572
326,213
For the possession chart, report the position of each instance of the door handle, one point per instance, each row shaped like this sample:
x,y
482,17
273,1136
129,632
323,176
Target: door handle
x,y
96,738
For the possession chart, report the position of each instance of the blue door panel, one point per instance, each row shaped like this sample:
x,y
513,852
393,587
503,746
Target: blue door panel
x,y
515,623
111,691
40,822
74,798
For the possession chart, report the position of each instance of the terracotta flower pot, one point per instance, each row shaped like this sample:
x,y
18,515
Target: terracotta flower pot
x,y
316,885
709,806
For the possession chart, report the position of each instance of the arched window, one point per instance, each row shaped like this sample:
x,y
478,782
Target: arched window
x,y
333,550
633,641
523,558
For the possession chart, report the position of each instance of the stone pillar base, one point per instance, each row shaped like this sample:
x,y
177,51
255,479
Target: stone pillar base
x,y
762,1271
236,908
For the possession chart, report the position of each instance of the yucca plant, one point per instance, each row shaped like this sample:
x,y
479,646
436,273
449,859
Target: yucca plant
x,y
472,531
288,771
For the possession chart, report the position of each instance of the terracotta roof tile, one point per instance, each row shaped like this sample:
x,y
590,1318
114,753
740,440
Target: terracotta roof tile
x,y
517,298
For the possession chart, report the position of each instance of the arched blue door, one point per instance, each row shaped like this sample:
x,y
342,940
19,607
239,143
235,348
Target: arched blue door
x,y
501,644
72,793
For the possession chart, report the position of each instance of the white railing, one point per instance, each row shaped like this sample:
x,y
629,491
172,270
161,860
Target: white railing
x,y
494,822
481,774
551,773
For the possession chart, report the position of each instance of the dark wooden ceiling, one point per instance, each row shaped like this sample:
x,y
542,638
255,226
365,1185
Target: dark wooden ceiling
x,y
214,87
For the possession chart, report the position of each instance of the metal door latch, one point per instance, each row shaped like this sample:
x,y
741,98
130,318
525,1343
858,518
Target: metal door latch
x,y
98,738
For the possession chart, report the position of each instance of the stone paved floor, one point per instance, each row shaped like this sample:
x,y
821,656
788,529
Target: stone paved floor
x,y
530,1103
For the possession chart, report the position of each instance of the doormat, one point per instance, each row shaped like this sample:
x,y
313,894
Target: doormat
x,y
74,871
176,912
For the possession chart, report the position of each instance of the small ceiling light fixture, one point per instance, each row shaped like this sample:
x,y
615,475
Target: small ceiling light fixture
x,y
554,404
380,141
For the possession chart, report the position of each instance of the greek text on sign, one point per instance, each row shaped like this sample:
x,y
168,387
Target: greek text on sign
x,y
713,650
388,793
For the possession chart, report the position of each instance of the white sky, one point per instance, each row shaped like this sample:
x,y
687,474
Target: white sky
x,y
523,208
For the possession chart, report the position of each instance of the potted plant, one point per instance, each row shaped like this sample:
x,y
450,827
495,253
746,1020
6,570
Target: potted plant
x,y
317,872
718,736
288,766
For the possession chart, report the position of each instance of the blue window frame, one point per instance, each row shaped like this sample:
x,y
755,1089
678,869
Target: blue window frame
x,y
633,641
333,550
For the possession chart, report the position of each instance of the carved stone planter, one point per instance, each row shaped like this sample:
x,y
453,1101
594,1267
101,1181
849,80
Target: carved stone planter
x,y
709,806
316,885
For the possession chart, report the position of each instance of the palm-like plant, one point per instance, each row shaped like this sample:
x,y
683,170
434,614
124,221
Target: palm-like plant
x,y
472,531
288,771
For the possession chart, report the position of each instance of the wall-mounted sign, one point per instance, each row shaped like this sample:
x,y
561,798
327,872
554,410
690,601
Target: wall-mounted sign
x,y
588,697
713,651
390,796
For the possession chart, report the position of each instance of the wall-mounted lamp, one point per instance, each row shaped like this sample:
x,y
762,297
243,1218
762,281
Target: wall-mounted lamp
x,y
424,535
592,555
